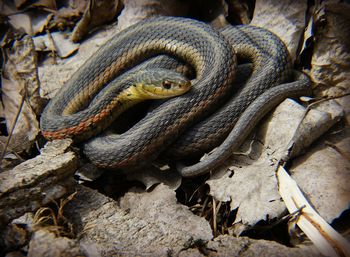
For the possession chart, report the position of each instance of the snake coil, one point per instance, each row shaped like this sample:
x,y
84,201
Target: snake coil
x,y
182,126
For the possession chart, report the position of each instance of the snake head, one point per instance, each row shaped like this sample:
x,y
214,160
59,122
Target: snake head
x,y
162,83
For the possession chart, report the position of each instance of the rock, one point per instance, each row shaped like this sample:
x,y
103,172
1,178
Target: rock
x,y
37,181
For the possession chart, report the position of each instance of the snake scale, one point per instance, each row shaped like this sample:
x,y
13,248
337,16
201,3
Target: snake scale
x,y
180,126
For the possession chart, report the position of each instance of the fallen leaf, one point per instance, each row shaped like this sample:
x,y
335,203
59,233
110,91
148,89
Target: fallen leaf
x,y
41,4
53,76
20,93
30,22
22,22
45,4
96,13
136,10
288,24
20,3
60,44
323,174
253,188
66,16
240,11
26,126
151,176
317,121
40,21
330,61
21,65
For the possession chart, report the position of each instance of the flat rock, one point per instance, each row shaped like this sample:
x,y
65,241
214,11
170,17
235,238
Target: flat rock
x,y
37,181
142,223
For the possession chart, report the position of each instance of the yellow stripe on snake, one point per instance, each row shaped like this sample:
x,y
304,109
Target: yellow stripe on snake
x,y
183,126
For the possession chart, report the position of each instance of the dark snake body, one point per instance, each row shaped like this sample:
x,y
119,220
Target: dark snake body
x,y
174,121
191,41
271,67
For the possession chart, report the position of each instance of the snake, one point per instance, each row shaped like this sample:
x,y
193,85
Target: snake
x,y
246,123
68,114
182,125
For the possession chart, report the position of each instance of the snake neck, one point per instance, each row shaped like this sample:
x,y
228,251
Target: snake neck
x,y
130,96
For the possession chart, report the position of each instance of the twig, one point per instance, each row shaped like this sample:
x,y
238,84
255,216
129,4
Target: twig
x,y
327,240
12,128
214,217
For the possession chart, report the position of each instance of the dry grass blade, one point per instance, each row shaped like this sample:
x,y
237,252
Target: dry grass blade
x,y
327,240
46,218
214,218
12,129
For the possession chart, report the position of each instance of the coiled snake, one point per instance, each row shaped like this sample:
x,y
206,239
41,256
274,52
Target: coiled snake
x,y
172,125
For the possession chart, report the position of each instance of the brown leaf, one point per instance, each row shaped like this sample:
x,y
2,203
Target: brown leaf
x,y
323,174
57,42
30,22
26,127
21,65
46,4
96,13
136,10
66,16
20,3
253,188
53,76
20,86
285,18
330,63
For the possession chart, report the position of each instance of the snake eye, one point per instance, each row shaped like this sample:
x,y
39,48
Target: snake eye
x,y
167,84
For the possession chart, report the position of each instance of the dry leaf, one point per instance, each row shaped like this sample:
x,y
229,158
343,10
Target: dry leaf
x,y
45,4
240,11
318,120
22,22
253,188
30,22
59,43
53,76
66,16
330,67
97,12
20,85
21,66
285,18
136,10
323,174
20,3
40,21
151,176
26,127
